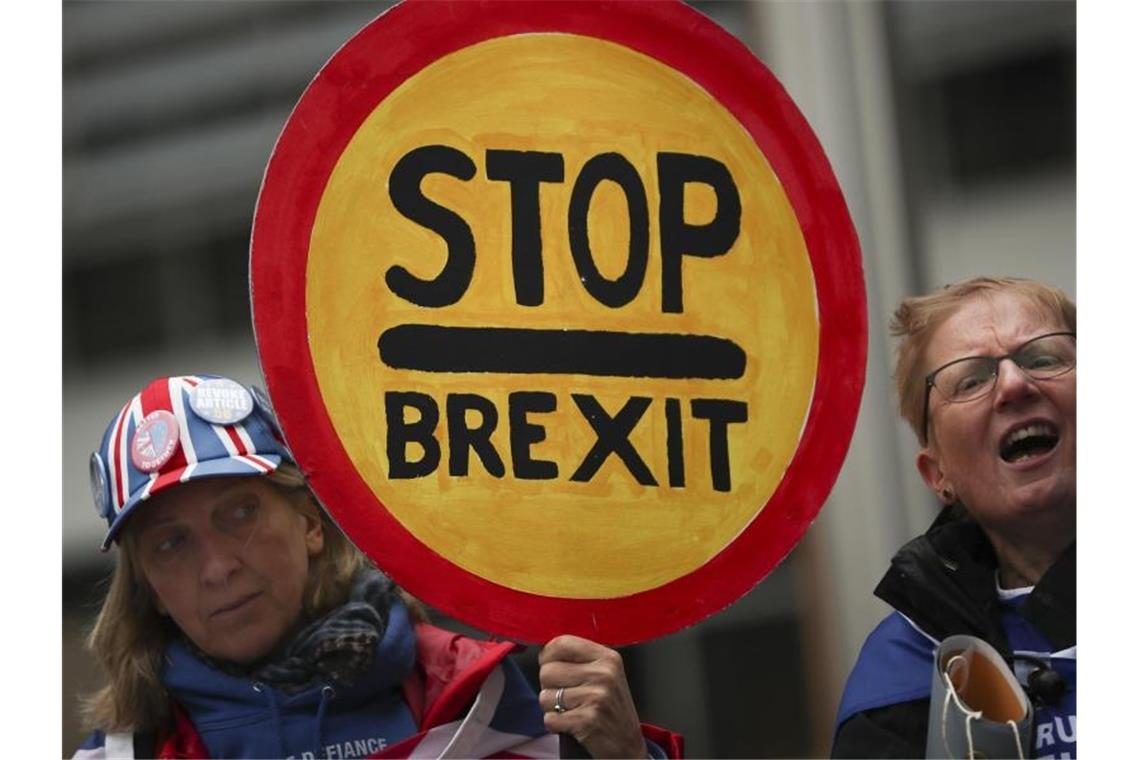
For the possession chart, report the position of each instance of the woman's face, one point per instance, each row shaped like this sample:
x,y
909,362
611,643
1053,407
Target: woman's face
x,y
228,561
967,440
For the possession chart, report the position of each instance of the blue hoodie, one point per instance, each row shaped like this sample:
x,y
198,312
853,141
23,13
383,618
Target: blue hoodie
x,y
238,717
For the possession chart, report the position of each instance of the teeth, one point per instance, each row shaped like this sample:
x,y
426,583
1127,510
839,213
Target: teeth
x,y
1028,431
1035,430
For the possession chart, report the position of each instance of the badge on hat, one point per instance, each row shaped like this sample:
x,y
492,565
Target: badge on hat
x,y
99,484
155,441
221,401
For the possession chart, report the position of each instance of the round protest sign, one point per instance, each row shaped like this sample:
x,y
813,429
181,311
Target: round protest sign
x,y
561,310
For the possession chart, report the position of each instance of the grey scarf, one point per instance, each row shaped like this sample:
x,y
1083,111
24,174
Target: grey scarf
x,y
338,646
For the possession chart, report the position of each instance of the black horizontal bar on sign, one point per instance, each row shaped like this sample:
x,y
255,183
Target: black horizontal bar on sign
x,y
514,350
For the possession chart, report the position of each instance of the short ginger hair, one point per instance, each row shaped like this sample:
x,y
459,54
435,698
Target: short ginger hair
x,y
918,317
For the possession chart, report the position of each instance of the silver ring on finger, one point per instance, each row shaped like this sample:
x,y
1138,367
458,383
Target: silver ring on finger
x,y
559,707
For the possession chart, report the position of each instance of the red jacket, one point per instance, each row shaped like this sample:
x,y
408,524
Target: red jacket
x,y
449,673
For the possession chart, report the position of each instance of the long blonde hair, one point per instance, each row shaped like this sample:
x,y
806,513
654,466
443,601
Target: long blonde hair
x,y
129,636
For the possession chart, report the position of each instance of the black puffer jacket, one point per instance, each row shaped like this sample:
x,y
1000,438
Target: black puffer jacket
x,y
944,582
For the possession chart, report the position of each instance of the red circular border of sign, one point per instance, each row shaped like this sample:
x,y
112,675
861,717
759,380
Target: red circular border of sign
x,y
411,36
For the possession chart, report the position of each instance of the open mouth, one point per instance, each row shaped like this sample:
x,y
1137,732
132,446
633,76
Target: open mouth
x,y
1033,440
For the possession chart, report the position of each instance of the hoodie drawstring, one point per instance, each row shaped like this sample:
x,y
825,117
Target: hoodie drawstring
x,y
257,686
327,694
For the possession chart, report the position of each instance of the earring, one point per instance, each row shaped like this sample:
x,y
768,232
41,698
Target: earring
x,y
948,495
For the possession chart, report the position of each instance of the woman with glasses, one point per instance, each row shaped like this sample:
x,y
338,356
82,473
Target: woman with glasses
x,y
986,377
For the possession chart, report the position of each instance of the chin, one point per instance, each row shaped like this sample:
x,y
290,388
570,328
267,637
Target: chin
x,y
1053,503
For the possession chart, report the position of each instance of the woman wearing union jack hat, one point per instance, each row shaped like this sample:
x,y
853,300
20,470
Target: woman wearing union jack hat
x,y
240,622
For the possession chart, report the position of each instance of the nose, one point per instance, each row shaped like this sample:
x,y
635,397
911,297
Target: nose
x,y
219,561
1012,384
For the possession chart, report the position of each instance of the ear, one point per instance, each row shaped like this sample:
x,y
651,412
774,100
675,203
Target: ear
x,y
930,468
314,533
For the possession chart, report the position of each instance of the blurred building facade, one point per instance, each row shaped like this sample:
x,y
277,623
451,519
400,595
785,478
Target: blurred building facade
x,y
950,125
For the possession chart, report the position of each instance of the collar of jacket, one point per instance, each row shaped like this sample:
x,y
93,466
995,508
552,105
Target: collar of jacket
x,y
944,582
211,695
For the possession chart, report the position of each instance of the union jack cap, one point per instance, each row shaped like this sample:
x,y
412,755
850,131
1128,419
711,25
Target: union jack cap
x,y
123,478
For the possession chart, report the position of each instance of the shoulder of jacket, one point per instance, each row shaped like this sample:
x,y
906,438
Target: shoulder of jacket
x,y
453,667
894,665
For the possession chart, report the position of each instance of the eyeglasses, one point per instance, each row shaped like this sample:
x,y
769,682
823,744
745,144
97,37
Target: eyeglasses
x,y
1045,357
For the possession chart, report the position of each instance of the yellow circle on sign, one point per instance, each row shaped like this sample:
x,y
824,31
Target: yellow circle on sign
x,y
577,96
